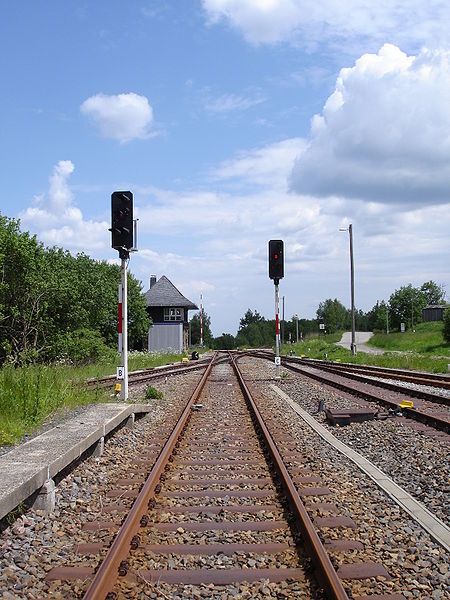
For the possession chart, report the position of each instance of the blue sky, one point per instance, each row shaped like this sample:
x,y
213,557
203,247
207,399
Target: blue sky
x,y
234,122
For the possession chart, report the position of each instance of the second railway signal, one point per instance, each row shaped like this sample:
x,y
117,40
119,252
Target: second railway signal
x,y
276,260
276,272
122,222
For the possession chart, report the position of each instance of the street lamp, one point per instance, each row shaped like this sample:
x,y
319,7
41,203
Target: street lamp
x,y
352,285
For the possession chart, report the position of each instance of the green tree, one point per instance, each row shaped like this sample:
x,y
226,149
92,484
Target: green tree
x,y
22,303
433,292
195,329
377,316
334,315
226,341
406,306
47,295
249,318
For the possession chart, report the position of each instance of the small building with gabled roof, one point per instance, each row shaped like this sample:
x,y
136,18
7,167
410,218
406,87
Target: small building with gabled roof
x,y
168,309
434,312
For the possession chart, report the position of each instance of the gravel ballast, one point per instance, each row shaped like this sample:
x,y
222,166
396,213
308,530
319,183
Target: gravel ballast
x,y
419,568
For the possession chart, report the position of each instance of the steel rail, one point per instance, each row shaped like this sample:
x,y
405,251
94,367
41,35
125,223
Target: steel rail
x,y
418,377
414,413
367,377
108,572
332,584
431,379
145,374
377,376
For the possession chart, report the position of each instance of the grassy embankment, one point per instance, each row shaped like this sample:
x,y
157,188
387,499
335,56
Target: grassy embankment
x,y
422,350
29,395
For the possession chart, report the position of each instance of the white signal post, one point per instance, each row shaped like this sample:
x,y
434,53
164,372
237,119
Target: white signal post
x,y
201,320
277,330
124,239
123,327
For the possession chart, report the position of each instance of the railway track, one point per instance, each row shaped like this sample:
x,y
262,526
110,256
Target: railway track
x,y
428,408
226,488
417,377
143,375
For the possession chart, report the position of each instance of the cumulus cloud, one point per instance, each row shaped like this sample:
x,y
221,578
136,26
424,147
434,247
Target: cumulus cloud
x,y
309,23
219,238
55,218
121,117
384,133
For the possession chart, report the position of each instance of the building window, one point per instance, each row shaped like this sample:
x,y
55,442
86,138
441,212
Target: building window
x,y
173,314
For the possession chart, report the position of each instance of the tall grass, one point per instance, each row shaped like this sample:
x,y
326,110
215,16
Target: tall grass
x,y
426,338
325,348
28,395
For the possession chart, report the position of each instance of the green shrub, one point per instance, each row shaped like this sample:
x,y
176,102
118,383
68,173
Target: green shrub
x,y
84,346
153,393
446,330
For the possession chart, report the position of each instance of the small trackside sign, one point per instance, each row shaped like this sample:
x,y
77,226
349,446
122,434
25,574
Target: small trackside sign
x,y
277,361
120,373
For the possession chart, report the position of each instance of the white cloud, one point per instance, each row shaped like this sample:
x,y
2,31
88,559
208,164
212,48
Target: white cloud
x,y
60,196
384,133
57,221
219,238
122,117
310,23
231,103
269,165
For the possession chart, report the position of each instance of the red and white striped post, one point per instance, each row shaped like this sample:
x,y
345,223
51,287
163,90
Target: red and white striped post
x,y
201,320
120,320
277,330
122,328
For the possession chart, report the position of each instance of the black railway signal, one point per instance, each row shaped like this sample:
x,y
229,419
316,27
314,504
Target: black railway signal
x,y
122,222
276,260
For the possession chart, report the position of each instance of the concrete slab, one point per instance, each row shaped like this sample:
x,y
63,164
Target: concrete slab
x,y
25,468
434,526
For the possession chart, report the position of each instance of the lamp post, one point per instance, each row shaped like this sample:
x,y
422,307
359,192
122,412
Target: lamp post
x,y
352,286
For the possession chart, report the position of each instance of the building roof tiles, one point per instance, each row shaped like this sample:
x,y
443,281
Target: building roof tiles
x,y
164,293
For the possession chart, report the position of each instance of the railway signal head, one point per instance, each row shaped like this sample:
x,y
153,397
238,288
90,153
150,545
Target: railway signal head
x,y
122,221
276,260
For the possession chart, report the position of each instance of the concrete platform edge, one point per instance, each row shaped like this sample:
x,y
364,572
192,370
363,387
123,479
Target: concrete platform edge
x,y
36,473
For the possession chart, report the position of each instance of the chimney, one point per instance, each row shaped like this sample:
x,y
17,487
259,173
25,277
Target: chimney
x,y
152,280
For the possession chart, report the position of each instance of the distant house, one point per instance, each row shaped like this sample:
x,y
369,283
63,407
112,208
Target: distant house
x,y
168,309
434,312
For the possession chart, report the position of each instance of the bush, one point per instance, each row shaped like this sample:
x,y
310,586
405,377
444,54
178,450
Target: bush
x,y
446,330
85,346
153,393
